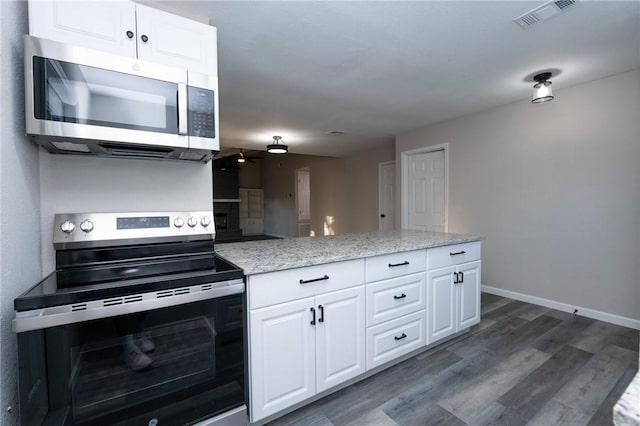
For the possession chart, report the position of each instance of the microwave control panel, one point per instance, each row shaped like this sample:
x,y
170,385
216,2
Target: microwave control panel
x,y
201,112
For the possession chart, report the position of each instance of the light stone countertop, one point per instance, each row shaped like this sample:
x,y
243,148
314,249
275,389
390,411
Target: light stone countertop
x,y
257,257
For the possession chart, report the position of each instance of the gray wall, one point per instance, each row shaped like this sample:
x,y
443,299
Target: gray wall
x,y
555,188
19,199
76,184
250,174
344,192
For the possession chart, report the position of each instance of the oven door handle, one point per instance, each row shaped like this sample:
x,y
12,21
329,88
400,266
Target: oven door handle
x,y
38,319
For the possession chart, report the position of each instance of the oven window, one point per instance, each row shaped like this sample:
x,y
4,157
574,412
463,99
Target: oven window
x,y
73,93
177,365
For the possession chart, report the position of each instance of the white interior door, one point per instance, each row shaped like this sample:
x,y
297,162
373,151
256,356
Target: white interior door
x,y
386,195
426,191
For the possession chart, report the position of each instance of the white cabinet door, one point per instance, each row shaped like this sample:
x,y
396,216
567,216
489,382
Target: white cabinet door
x,y
441,308
126,28
97,25
175,40
282,356
340,337
469,295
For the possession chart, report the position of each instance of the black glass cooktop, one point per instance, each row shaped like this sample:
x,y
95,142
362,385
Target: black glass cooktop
x,y
109,277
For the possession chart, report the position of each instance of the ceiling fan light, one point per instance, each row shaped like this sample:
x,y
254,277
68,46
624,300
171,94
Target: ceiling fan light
x,y
277,147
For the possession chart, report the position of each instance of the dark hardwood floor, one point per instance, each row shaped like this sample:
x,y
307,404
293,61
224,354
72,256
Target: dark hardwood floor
x,y
522,365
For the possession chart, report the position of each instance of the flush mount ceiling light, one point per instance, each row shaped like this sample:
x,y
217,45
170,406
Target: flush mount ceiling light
x,y
542,89
277,147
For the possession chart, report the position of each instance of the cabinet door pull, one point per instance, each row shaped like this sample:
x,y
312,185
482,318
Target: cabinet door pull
x,y
321,319
402,336
326,277
461,277
455,280
144,38
457,253
393,265
402,296
313,312
129,34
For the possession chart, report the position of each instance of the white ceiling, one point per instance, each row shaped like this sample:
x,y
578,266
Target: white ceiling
x,y
377,69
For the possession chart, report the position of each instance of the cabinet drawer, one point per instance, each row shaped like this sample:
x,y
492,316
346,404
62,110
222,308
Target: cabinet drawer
x,y
395,265
392,339
439,257
391,299
292,284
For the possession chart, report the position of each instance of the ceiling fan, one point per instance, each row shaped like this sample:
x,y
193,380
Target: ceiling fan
x,y
241,157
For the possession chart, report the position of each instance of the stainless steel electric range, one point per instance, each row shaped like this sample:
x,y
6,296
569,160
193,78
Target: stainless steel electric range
x,y
141,323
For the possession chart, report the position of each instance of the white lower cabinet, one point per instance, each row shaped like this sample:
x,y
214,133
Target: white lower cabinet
x,y
314,328
453,295
394,338
304,347
283,357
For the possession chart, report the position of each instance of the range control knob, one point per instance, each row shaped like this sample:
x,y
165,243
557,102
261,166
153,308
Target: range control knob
x,y
86,225
205,221
192,222
179,222
67,227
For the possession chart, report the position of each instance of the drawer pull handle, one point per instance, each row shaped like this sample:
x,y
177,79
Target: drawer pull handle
x,y
326,277
402,296
313,320
393,265
457,253
402,336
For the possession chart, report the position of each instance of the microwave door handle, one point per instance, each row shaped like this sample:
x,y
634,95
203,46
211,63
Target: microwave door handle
x,y
182,109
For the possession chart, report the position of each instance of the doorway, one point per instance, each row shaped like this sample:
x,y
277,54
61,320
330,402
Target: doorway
x,y
387,196
425,188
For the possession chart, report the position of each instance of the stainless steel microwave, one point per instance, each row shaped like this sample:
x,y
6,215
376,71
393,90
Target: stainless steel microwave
x,y
87,102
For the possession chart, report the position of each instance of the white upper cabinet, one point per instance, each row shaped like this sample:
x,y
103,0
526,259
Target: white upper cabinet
x,y
175,40
106,26
126,28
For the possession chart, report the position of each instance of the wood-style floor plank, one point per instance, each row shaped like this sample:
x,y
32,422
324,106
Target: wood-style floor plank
x,y
523,364
535,390
491,385
602,417
556,339
596,380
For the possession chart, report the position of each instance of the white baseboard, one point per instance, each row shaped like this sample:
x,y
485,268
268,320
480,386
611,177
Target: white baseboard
x,y
585,312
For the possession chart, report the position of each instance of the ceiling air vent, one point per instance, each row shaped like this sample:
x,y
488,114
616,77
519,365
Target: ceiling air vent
x,y
544,12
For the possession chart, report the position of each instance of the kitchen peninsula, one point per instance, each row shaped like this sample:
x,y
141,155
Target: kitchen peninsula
x,y
324,312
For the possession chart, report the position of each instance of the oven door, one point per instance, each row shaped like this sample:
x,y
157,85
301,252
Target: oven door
x,y
180,362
